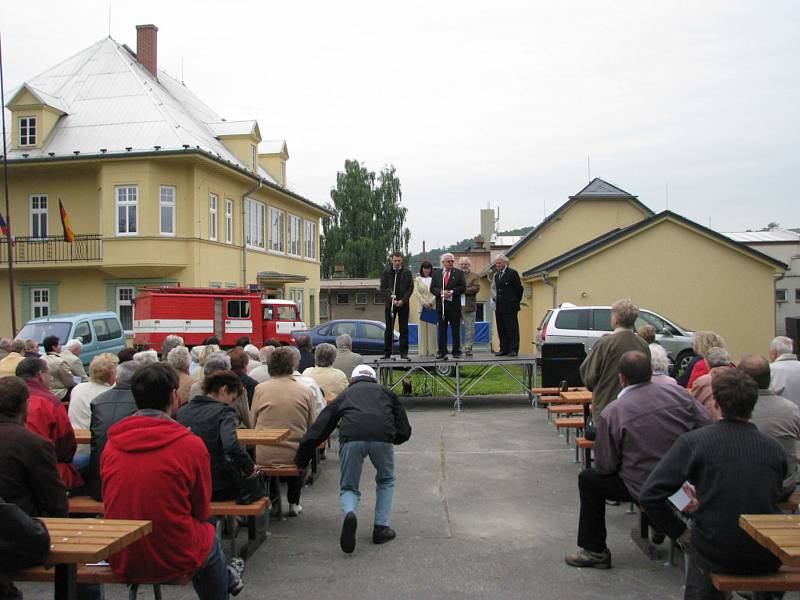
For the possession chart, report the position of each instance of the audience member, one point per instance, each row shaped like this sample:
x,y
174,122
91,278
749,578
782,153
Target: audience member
x,y
319,397
32,349
195,353
785,369
371,421
735,470
126,354
241,341
239,361
253,357
72,356
306,352
61,381
38,380
331,381
211,417
648,333
701,343
283,402
170,342
659,361
718,360
219,361
5,347
155,469
179,359
8,365
145,358
24,542
346,359
261,373
633,433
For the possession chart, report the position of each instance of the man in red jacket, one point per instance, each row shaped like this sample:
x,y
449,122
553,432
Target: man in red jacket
x,y
154,468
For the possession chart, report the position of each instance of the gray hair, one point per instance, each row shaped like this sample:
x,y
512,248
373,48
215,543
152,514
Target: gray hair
x,y
502,257
252,352
626,312
74,343
465,259
344,342
324,355
265,353
145,357
216,361
659,359
782,345
718,357
179,358
5,344
445,255
195,353
170,342
125,371
295,355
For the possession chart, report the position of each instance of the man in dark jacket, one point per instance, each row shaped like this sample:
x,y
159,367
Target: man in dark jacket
x,y
447,284
371,422
396,287
507,292
108,408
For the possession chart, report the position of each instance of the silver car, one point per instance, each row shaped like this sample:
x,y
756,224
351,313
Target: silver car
x,y
570,324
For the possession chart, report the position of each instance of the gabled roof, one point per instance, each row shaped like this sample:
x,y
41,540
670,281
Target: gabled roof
x,y
771,236
611,237
597,189
42,96
223,128
273,147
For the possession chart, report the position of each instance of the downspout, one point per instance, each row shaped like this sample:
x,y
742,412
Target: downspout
x,y
244,240
777,278
546,281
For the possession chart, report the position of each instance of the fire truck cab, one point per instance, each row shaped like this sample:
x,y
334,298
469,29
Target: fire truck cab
x,y
197,313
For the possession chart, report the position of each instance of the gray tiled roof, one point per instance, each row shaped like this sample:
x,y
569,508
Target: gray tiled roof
x,y
602,189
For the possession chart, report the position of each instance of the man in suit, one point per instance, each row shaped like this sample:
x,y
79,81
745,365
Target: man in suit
x,y
447,284
507,296
396,286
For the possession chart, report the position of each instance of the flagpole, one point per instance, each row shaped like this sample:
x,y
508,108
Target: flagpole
x,y
8,211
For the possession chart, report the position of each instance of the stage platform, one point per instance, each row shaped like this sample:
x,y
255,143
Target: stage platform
x,y
448,373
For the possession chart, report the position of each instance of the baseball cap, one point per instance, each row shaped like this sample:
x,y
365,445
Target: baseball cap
x,y
364,371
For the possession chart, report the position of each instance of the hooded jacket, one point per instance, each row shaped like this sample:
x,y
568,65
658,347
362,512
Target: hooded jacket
x,y
52,423
154,468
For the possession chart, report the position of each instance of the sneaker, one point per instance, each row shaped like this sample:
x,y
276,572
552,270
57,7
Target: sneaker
x,y
348,538
294,510
382,534
235,572
585,558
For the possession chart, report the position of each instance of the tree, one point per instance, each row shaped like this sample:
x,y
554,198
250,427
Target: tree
x,y
367,224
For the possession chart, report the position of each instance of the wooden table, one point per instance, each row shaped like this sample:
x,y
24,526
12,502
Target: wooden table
x,y
581,397
780,534
248,437
80,541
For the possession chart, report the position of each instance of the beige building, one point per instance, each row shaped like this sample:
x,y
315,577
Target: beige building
x,y
349,298
158,187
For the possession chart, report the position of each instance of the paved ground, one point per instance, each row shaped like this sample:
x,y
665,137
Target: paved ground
x,y
486,507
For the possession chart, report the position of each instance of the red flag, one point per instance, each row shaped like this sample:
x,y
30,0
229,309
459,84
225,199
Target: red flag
x,y
69,236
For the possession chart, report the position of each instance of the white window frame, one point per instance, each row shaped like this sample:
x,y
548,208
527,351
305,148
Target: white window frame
x,y
324,307
213,205
40,307
781,295
228,221
166,203
277,230
294,236
127,204
125,290
38,216
254,225
27,124
310,239
298,296
361,298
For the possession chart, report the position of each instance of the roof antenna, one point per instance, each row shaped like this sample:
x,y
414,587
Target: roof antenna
x,y
109,19
589,167
666,192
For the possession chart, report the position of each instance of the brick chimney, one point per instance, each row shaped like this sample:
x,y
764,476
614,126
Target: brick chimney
x,y
147,47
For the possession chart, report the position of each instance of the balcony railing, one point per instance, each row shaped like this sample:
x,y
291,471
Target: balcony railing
x,y
52,249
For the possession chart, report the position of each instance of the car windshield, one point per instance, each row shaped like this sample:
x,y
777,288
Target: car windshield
x,y
38,331
286,313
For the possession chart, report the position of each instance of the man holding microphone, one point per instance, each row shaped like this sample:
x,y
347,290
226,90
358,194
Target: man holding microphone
x,y
396,287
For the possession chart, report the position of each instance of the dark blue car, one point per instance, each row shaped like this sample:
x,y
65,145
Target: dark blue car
x,y
367,335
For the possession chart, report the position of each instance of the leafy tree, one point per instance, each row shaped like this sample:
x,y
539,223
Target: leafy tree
x,y
367,224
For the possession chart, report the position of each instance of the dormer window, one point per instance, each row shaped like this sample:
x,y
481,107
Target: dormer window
x,y
27,131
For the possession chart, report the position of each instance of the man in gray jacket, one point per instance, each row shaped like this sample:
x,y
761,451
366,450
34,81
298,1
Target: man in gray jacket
x,y
346,359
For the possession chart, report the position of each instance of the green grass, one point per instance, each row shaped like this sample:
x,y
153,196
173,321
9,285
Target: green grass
x,y
496,381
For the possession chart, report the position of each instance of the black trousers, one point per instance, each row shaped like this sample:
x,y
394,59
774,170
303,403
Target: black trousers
x,y
452,318
401,314
595,489
293,487
507,331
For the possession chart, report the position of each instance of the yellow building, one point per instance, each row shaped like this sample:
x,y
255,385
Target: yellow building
x,y
159,190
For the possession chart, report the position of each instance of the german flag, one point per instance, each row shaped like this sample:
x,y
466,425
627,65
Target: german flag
x,y
69,235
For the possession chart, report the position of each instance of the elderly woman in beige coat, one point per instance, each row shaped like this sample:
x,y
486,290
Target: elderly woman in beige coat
x,y
283,402
331,381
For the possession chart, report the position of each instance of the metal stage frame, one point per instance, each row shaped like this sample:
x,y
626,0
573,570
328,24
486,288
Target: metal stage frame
x,y
457,385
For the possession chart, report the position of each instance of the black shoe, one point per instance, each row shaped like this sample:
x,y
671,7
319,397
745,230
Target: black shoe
x,y
657,537
386,355
404,356
512,354
456,354
348,538
500,353
441,355
382,534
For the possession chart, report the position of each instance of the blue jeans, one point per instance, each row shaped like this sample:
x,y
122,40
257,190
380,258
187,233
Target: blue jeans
x,y
351,459
213,579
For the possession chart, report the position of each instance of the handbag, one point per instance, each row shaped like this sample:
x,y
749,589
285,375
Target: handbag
x,y
252,489
429,315
24,541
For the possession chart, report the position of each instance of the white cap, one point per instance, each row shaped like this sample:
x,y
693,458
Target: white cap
x,y
364,371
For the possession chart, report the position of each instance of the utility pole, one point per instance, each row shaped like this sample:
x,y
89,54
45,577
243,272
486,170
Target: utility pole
x,y
8,211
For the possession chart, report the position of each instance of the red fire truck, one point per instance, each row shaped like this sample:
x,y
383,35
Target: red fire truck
x,y
197,313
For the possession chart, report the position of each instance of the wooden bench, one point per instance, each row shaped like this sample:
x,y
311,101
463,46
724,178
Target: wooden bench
x,y
565,409
581,443
227,509
785,580
791,504
568,423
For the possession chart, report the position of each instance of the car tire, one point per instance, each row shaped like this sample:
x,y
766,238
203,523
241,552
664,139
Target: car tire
x,y
683,360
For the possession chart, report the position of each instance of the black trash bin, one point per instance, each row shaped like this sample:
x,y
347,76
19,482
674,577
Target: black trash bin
x,y
561,362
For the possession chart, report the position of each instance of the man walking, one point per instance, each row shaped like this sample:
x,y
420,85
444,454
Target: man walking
x,y
371,422
447,284
507,296
396,287
473,285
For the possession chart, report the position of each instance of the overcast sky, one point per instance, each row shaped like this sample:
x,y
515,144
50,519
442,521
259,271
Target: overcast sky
x,y
480,104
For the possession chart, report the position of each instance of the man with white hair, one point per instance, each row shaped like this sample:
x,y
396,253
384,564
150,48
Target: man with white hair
x,y
785,369
472,281
253,356
319,397
261,372
447,284
371,421
5,347
72,356
507,294
346,359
